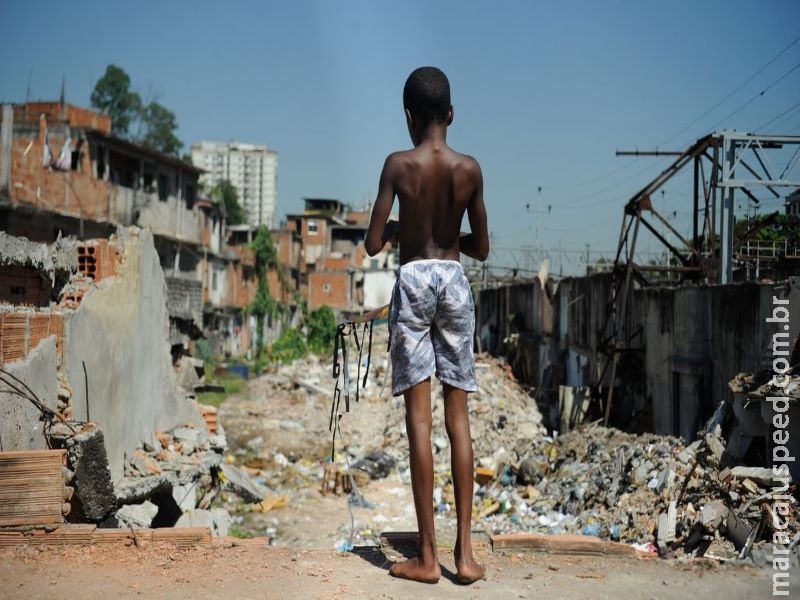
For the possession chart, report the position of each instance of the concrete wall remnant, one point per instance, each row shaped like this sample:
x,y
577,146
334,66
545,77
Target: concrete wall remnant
x,y
120,332
20,427
685,343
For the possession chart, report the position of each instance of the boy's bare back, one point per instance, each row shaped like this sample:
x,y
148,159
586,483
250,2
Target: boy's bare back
x,y
435,185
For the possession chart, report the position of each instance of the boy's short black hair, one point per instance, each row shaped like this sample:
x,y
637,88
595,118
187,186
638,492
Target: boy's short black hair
x,y
426,95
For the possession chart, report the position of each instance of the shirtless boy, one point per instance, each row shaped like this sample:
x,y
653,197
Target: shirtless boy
x,y
432,318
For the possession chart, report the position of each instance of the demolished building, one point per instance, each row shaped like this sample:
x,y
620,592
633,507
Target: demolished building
x,y
87,369
64,174
97,350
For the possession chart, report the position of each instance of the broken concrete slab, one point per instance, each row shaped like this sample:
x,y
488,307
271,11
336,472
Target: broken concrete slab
x,y
665,478
759,475
216,519
713,515
189,372
196,518
174,473
237,482
185,496
137,516
222,521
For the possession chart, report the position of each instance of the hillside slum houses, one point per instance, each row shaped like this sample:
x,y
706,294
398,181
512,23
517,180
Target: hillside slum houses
x,y
65,174
114,263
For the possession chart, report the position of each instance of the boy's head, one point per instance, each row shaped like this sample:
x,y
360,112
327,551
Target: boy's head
x,y
426,98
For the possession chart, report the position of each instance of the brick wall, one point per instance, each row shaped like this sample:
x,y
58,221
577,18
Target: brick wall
x,y
97,259
329,287
21,332
76,116
24,286
242,285
331,263
75,193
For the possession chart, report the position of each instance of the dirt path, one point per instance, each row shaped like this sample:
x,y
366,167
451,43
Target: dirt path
x,y
247,571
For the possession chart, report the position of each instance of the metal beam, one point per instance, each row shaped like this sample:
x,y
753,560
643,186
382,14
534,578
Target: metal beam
x,y
646,153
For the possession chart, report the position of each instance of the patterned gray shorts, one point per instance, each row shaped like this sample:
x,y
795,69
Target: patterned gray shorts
x,y
432,323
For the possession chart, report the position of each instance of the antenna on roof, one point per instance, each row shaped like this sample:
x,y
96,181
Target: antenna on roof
x,y
63,93
28,89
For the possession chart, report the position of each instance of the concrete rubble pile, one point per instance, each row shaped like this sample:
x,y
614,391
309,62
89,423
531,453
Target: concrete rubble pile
x,y
652,491
644,489
186,464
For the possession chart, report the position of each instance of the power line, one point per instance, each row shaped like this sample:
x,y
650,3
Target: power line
x,y
739,87
591,180
780,123
757,96
773,119
590,195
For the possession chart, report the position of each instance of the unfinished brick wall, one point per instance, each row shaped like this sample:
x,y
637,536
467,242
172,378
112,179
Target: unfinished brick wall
x,y
329,287
24,286
76,193
332,263
242,285
74,115
21,332
97,259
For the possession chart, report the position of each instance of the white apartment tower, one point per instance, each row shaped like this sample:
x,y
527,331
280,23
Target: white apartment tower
x,y
253,170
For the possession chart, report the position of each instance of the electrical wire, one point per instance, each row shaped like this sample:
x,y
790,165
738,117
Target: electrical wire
x,y
732,93
773,119
755,97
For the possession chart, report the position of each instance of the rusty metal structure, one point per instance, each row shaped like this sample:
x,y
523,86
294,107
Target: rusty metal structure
x,y
723,163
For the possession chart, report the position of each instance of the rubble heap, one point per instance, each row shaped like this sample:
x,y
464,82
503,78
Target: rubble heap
x,y
646,489
650,490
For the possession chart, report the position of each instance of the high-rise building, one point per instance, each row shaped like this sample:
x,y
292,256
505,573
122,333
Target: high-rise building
x,y
253,170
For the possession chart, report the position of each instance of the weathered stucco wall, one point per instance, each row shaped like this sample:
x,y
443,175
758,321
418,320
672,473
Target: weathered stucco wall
x,y
20,427
698,338
121,332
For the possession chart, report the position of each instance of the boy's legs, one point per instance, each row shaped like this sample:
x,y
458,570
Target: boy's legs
x,y
424,568
456,419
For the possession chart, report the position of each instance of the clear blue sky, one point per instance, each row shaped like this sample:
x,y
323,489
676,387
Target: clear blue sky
x,y
543,92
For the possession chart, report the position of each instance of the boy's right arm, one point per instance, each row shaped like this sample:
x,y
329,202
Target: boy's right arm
x,y
378,227
476,243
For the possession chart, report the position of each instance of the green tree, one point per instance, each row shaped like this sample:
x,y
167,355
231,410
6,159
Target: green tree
x,y
266,258
112,95
160,125
321,329
225,192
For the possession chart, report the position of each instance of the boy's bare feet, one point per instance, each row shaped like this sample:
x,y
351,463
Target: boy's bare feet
x,y
416,570
469,571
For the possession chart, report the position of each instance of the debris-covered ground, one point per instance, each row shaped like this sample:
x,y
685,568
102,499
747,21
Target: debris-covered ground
x,y
257,572
651,491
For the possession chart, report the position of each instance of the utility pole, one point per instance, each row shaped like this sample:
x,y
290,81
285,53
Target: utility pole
x,y
587,258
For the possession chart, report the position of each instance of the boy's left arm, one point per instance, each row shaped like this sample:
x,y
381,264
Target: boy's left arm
x,y
380,232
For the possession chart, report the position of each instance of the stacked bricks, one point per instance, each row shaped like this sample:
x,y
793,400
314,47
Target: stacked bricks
x,y
21,332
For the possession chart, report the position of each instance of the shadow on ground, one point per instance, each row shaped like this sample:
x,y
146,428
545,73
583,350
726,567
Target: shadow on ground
x,y
377,557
